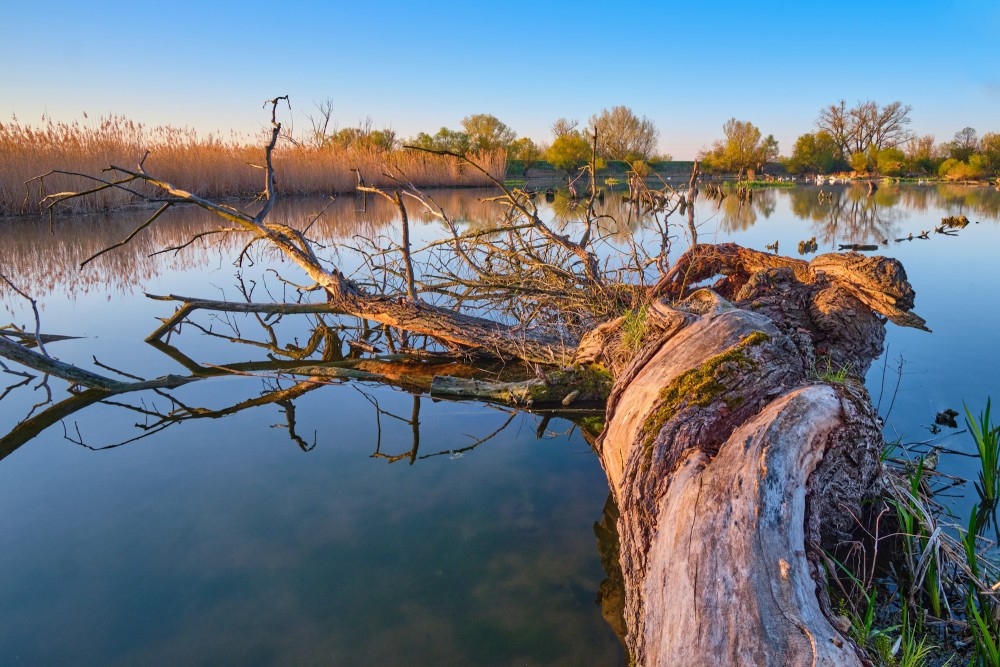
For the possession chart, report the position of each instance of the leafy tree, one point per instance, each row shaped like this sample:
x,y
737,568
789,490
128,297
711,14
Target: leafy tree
x,y
978,165
525,150
380,140
641,168
922,154
742,148
890,161
862,162
364,138
487,133
865,125
956,170
347,137
444,140
947,166
768,150
621,135
422,140
964,144
989,147
815,153
569,151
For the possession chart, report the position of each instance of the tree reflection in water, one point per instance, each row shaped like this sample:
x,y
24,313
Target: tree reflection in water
x,y
334,354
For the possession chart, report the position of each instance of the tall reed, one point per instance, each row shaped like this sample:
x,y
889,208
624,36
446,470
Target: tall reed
x,y
987,439
209,166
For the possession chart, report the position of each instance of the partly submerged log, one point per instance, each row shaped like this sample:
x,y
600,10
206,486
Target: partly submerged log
x,y
733,458
581,383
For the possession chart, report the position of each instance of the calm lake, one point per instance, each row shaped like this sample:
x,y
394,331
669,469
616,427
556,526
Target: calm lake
x,y
288,522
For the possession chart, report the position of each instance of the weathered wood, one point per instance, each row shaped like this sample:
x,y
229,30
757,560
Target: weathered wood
x,y
565,387
731,460
444,324
746,591
81,376
879,283
708,450
518,393
447,325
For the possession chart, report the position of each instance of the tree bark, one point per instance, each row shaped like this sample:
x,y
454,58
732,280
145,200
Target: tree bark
x,y
733,458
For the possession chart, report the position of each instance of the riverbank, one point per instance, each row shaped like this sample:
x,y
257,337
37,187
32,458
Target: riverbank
x,y
210,166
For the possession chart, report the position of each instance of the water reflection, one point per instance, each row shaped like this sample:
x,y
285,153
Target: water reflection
x,y
335,352
194,538
612,592
737,214
843,215
250,514
47,261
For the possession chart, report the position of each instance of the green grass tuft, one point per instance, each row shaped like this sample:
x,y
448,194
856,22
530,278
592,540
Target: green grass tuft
x,y
825,371
987,438
634,329
757,185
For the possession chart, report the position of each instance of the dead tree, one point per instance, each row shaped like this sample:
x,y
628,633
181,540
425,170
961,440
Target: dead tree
x,y
732,460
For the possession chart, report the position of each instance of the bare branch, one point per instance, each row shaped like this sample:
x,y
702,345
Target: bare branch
x,y
128,238
39,341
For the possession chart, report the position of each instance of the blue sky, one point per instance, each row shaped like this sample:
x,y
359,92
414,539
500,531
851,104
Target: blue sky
x,y
417,66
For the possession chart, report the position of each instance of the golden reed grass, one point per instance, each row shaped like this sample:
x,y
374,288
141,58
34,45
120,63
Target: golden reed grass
x,y
207,166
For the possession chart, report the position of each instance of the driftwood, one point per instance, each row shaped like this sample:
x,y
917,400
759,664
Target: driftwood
x,y
879,283
730,459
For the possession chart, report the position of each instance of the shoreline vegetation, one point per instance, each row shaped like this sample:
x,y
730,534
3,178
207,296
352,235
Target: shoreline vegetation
x,y
208,166
328,161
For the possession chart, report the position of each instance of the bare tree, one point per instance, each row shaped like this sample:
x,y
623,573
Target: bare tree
x,y
563,126
621,135
319,124
865,126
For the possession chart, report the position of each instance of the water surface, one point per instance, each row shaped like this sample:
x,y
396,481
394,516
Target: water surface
x,y
318,529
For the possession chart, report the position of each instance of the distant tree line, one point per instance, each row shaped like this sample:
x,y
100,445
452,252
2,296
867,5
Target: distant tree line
x,y
620,135
867,138
874,140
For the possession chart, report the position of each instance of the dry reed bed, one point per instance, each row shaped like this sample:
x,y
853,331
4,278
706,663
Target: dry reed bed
x,y
208,166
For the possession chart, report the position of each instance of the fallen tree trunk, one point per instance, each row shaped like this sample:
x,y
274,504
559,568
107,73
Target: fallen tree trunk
x,y
733,460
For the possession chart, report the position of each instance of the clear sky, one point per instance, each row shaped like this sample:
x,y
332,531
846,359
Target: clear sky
x,y
417,66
